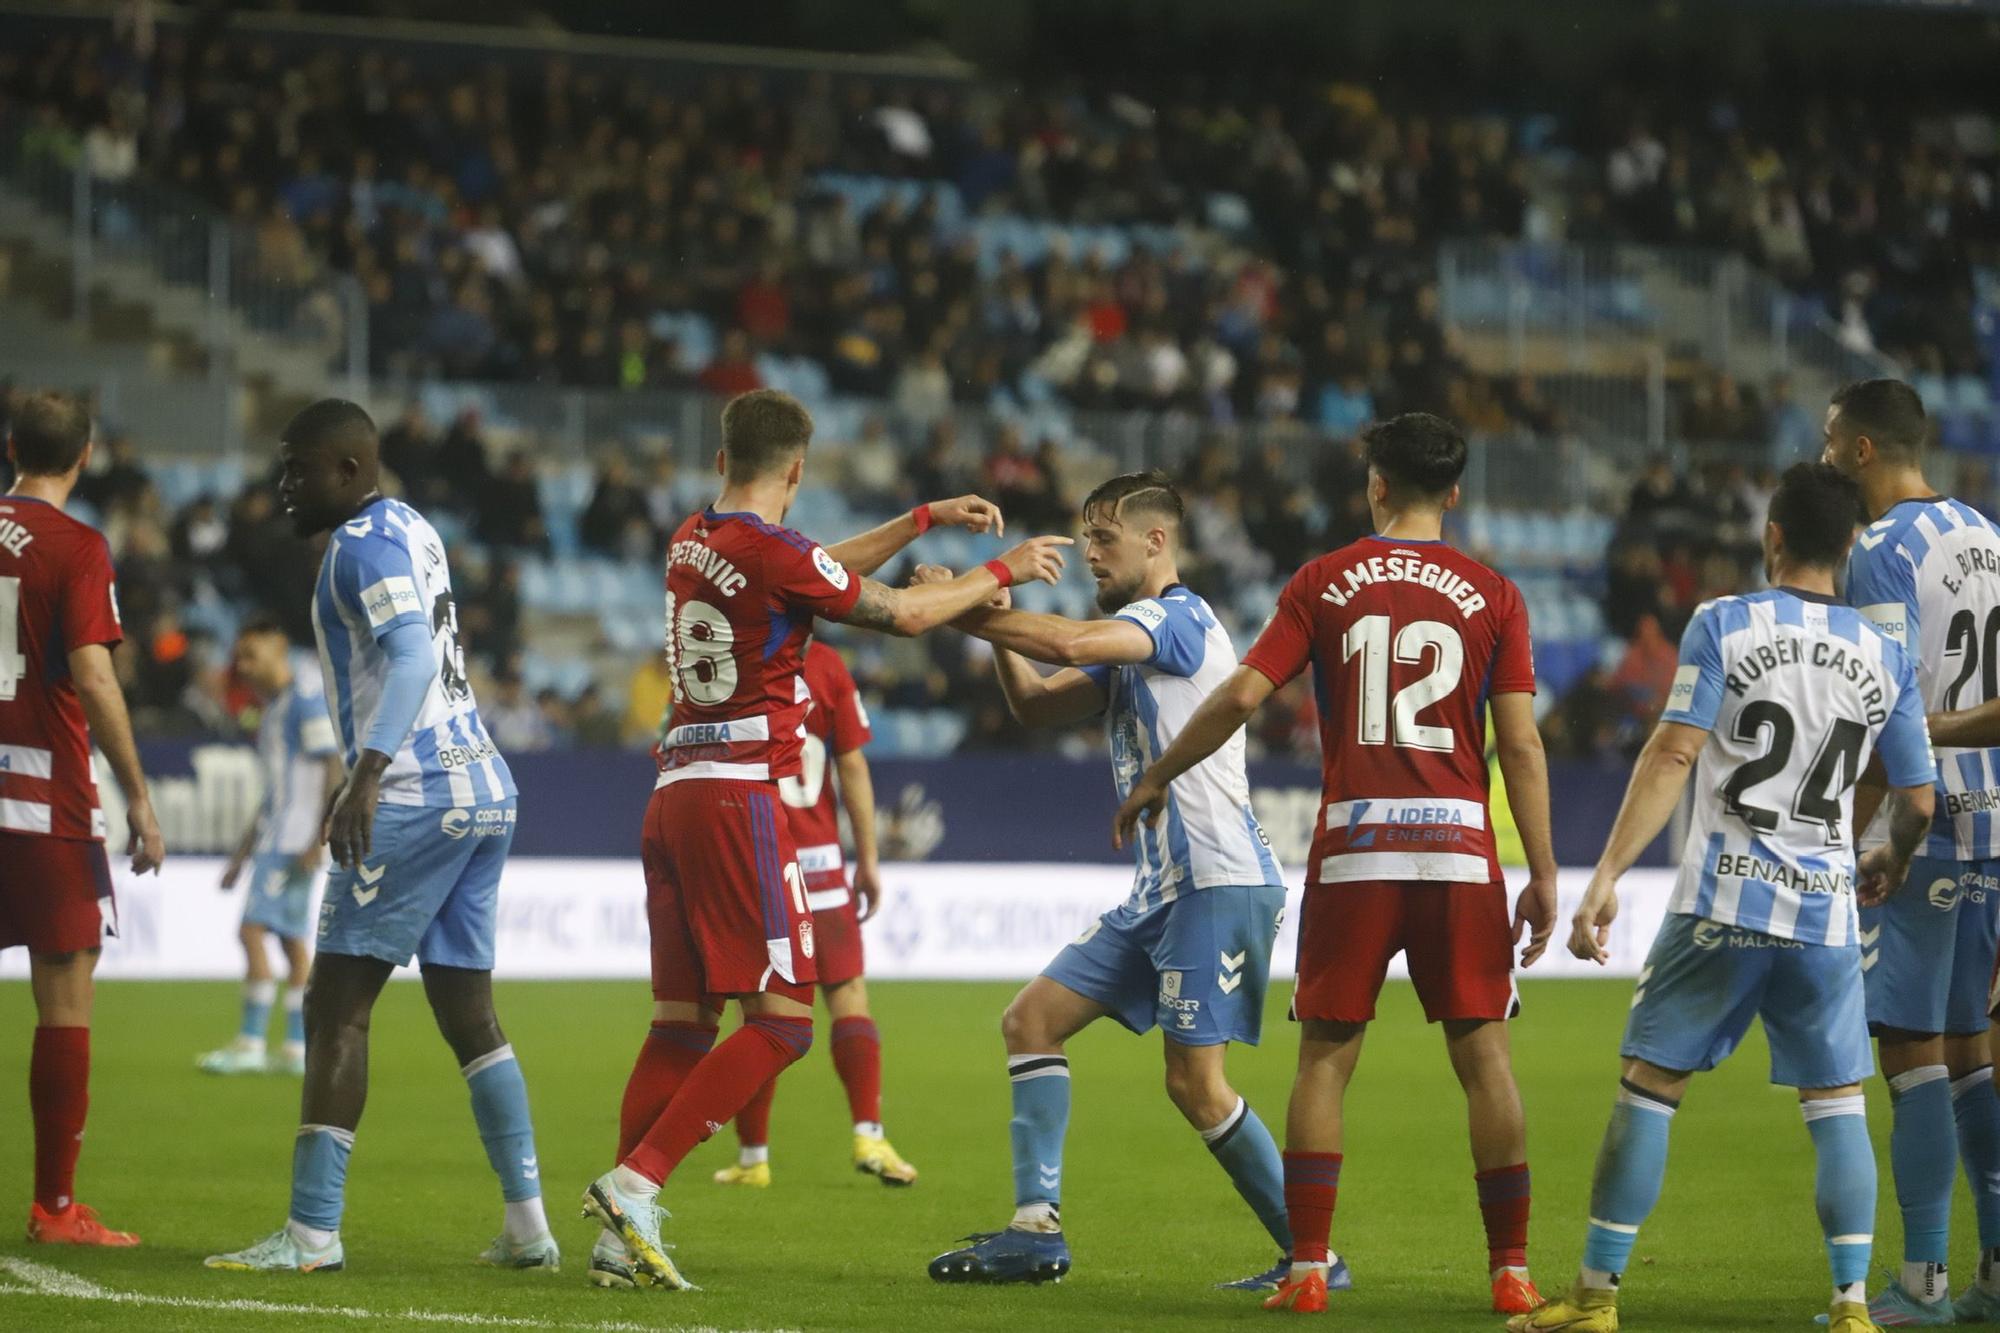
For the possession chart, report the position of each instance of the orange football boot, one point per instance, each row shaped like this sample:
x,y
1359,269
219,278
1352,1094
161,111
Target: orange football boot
x,y
74,1225
1513,1293
1300,1295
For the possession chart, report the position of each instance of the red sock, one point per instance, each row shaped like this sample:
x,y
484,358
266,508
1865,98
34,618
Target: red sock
x,y
857,1058
753,1122
720,1086
669,1055
59,1095
1312,1184
1503,1203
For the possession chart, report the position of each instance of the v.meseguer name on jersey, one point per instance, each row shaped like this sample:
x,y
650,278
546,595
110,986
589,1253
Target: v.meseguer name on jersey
x,y
1406,569
728,580
14,538
1826,654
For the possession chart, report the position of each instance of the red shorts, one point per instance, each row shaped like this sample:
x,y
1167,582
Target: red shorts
x,y
1456,938
836,928
55,893
725,901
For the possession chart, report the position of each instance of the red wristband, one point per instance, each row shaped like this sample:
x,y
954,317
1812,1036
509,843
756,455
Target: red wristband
x,y
923,518
1001,574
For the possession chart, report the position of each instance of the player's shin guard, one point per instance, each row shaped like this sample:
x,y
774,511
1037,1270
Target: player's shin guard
x,y
1250,1155
718,1088
500,1107
1041,1118
857,1058
1921,1156
319,1175
753,1122
59,1097
257,998
1976,1108
1312,1188
1631,1165
1503,1207
668,1055
1843,1184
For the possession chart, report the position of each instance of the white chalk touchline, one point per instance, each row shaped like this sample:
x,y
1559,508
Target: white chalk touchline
x,y
44,1280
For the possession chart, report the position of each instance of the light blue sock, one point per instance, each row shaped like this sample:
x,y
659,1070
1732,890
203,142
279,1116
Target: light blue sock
x,y
257,997
319,1175
1250,1155
1921,1143
1041,1116
1631,1165
500,1106
295,1015
1977,1109
1844,1183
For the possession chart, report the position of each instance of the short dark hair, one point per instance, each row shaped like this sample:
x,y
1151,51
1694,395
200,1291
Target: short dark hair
x,y
1889,412
1151,492
262,622
50,431
1817,507
1417,453
762,431
325,419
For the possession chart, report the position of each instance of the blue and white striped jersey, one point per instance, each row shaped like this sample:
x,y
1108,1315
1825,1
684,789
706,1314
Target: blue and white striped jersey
x,y
387,568
1795,692
1927,573
1210,836
293,741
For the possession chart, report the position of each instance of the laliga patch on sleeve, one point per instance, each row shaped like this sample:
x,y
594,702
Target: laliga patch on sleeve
x,y
830,569
1681,697
1149,614
392,597
116,618
1892,618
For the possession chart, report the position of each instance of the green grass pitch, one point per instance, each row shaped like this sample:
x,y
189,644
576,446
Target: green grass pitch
x,y
198,1164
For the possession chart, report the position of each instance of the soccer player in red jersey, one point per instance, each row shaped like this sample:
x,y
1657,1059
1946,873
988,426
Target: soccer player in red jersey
x,y
836,729
58,625
725,895
1409,641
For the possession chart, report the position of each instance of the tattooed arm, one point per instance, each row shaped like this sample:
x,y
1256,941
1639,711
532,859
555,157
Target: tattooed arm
x,y
910,611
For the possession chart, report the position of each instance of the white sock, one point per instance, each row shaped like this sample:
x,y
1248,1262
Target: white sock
x,y
749,1156
311,1238
1302,1269
1594,1279
249,1045
1853,1291
525,1220
1036,1217
295,1050
631,1182
608,1245
868,1129
1926,1282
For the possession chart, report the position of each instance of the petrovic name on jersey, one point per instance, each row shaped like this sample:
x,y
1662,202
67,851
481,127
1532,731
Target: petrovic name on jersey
x,y
1402,566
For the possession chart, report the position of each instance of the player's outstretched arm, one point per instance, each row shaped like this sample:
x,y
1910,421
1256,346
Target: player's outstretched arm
x,y
1035,700
869,551
1968,728
1220,716
96,685
1525,767
857,793
1655,789
1058,640
917,610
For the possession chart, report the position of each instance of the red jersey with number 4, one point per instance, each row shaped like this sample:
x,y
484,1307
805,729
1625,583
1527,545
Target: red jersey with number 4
x,y
1406,640
741,598
836,724
57,594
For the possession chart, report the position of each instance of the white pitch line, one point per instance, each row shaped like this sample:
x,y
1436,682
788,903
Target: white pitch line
x,y
44,1280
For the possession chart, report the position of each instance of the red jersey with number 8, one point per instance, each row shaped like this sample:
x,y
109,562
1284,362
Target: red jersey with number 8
x,y
741,598
1407,640
837,724
57,594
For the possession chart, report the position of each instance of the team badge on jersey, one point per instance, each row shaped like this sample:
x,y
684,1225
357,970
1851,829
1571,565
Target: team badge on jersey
x,y
805,937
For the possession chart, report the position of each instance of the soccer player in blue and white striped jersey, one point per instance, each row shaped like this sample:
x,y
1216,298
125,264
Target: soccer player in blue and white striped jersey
x,y
1781,699
1926,571
419,831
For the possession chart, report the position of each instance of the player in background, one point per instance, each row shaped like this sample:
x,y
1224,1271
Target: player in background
x,y
281,847
58,692
1780,697
836,729
1926,571
1189,950
1409,641
725,897
418,875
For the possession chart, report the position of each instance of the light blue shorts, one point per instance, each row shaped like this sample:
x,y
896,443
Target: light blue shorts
x,y
1196,968
1704,982
280,896
1928,952
430,888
